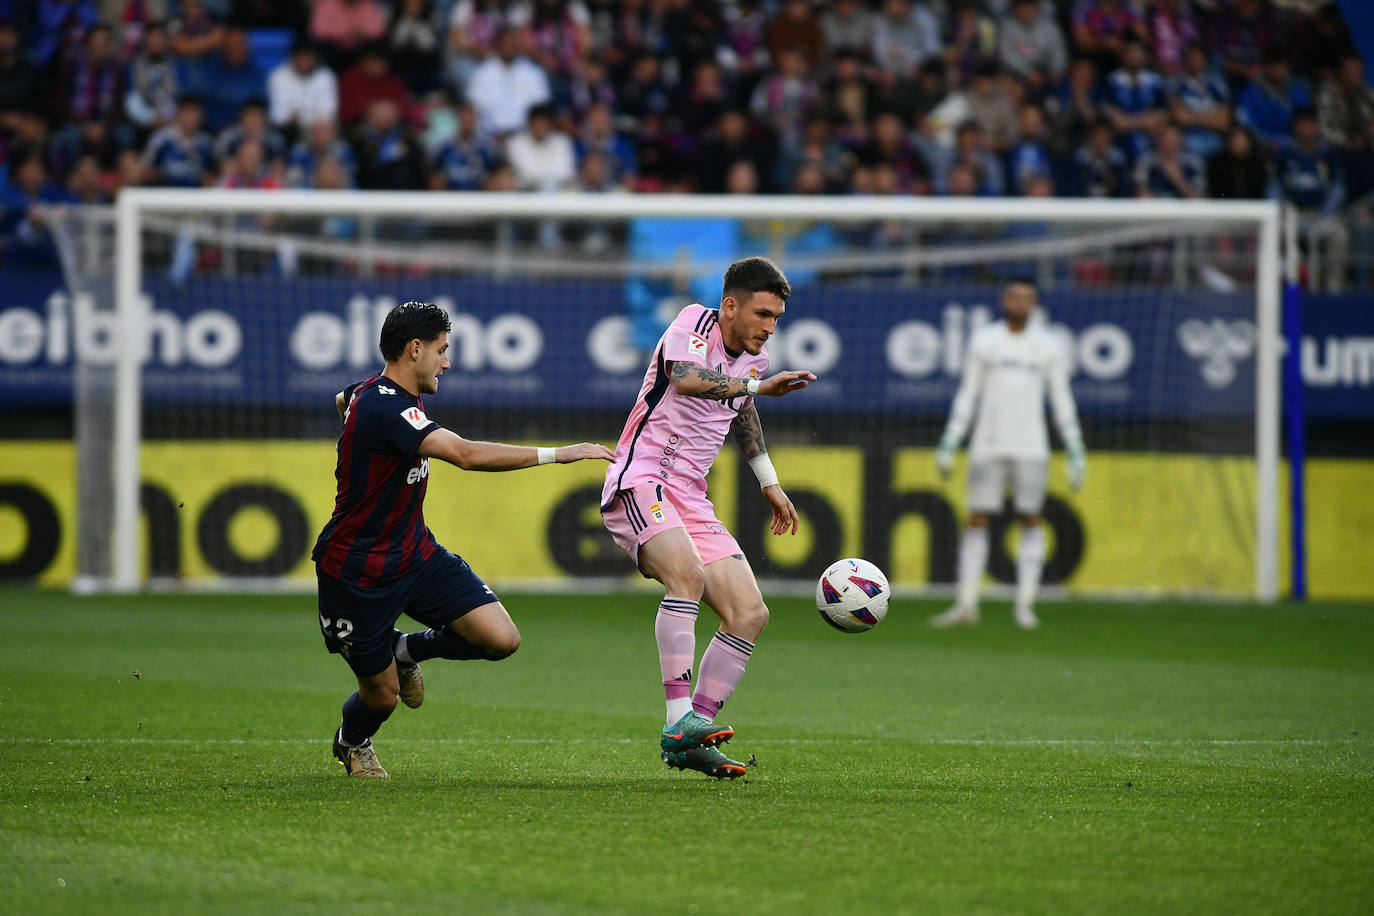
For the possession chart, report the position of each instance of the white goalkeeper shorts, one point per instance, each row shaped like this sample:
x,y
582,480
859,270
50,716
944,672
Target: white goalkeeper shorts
x,y
989,478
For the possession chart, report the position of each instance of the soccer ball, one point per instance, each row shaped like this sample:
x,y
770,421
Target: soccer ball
x,y
852,595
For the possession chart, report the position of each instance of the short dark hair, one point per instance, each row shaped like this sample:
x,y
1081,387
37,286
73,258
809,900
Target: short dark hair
x,y
1024,280
754,275
409,321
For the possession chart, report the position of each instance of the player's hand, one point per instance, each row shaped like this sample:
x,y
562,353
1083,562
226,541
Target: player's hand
x,y
566,454
792,380
944,457
784,513
1078,467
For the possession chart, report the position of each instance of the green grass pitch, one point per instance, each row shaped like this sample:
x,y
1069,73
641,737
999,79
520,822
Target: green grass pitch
x,y
171,754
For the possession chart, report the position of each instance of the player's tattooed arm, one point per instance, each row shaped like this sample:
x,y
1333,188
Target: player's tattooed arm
x,y
748,433
697,381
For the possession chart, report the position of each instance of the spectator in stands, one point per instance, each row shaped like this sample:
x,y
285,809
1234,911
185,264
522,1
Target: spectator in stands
x,y
560,36
1029,157
743,54
1135,99
302,90
92,82
59,27
1239,171
1310,177
367,81
151,101
1169,170
231,78
889,146
992,99
196,34
1172,27
970,155
1100,167
796,27
1267,105
464,162
1101,29
414,45
320,143
592,85
86,183
1030,45
252,124
29,243
905,36
785,98
644,94
1075,105
250,167
599,136
390,157
847,26
1315,34
1241,33
84,138
180,154
473,29
19,82
542,155
1200,103
1345,104
972,37
701,105
847,96
816,147
505,86
341,28
735,137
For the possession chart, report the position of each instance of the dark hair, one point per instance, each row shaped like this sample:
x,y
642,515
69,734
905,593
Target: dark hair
x,y
754,275
1305,113
409,321
1024,280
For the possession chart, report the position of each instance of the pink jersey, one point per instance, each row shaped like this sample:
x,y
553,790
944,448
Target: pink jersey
x,y
671,437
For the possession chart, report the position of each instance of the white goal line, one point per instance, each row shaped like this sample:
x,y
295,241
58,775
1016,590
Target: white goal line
x,y
926,742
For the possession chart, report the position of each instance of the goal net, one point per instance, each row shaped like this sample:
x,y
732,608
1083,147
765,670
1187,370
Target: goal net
x,y
230,319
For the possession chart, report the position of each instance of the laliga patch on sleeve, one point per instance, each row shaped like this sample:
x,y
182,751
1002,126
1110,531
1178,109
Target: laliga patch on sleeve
x,y
415,417
696,344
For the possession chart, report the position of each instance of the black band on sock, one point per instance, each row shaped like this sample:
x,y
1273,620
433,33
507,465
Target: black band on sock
x,y
442,643
361,721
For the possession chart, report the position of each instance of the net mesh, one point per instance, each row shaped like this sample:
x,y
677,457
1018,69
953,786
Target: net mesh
x,y
254,322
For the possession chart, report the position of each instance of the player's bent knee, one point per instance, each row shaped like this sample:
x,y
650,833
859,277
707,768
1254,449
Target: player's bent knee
x,y
382,698
504,645
686,581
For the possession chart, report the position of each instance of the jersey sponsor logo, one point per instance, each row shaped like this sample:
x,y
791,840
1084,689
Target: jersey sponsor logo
x,y
415,417
419,472
696,345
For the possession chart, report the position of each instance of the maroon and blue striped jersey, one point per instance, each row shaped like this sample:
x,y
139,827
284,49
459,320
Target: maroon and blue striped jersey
x,y
377,533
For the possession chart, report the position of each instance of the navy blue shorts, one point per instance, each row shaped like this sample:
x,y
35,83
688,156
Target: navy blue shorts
x,y
358,623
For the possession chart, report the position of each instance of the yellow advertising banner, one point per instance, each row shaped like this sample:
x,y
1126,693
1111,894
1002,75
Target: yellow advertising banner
x,y
1144,522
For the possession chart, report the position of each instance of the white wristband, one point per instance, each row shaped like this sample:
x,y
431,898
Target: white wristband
x,y
752,386
547,454
762,466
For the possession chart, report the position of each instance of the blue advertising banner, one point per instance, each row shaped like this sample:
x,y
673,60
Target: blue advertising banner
x,y
879,349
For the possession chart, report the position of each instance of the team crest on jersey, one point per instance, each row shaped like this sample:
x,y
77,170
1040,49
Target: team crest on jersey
x,y
696,344
415,417
656,511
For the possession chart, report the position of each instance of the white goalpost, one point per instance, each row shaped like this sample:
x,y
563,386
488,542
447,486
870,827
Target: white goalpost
x,y
1136,279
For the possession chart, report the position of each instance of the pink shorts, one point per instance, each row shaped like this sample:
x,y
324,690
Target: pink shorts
x,y
649,508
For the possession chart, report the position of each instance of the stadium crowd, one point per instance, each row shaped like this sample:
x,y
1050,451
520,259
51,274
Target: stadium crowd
x,y
1100,98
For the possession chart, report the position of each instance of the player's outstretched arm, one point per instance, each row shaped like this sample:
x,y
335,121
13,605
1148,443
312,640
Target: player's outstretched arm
x,y
696,381
475,455
748,433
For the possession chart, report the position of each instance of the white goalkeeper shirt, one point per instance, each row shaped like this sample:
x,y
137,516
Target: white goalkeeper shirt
x,y
1002,393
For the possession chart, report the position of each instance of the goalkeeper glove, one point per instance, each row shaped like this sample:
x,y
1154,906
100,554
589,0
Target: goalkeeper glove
x,y
944,456
1078,466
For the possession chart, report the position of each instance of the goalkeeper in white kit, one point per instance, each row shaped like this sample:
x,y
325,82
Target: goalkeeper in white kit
x,y
1010,366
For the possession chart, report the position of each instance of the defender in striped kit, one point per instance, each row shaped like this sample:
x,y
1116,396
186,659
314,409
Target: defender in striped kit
x,y
376,559
700,388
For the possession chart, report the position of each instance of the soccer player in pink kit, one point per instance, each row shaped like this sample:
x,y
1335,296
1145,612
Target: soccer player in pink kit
x,y
700,387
